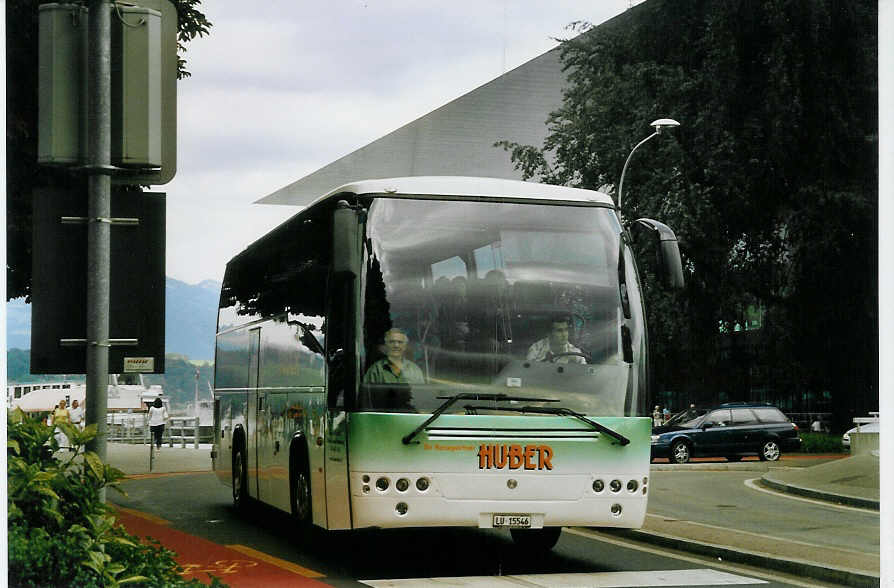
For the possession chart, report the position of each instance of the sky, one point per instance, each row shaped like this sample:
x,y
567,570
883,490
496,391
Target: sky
x,y
277,93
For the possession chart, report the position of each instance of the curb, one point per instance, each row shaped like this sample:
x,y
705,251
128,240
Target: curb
x,y
818,494
843,576
750,466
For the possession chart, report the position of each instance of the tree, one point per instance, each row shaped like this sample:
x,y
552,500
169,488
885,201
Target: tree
x,y
23,173
770,183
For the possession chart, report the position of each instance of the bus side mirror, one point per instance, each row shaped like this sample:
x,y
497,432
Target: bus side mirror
x,y
668,252
345,240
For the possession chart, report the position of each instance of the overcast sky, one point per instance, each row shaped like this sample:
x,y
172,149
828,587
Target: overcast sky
x,y
281,88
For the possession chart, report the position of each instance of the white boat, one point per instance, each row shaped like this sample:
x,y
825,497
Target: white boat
x,y
127,394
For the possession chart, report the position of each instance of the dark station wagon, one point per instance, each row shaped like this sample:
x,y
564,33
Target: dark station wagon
x,y
729,430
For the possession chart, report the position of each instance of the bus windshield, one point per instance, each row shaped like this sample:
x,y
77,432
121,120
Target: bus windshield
x,y
492,298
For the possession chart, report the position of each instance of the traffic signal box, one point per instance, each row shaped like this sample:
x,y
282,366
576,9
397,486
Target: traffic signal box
x,y
144,89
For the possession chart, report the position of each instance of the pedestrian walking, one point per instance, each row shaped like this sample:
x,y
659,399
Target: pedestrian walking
x,y
76,414
61,415
656,416
158,416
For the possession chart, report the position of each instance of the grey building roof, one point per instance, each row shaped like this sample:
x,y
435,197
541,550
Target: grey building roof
x,y
455,140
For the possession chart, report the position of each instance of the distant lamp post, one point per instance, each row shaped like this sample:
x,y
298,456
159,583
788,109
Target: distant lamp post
x,y
659,125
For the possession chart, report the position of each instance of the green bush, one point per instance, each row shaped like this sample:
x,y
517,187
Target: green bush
x,y
821,443
60,533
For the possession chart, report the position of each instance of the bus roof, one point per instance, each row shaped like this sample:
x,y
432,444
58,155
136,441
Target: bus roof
x,y
460,186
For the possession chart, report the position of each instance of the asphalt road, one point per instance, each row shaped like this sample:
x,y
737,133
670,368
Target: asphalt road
x,y
200,505
722,499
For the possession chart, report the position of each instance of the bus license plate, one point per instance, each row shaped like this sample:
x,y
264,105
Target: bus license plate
x,y
513,521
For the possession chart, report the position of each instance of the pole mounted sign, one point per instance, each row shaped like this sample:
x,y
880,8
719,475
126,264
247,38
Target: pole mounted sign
x,y
108,108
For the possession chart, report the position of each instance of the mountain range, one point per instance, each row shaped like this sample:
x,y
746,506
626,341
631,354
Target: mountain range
x,y
190,319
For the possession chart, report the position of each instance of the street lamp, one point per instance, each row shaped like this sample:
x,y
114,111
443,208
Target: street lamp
x,y
661,123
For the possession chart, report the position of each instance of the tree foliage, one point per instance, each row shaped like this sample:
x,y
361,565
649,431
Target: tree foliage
x,y
770,182
23,172
60,533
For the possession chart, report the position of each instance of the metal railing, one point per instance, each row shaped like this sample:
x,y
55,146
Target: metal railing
x,y
134,428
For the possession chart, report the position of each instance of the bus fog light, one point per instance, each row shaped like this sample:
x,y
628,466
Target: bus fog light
x,y
615,485
598,486
644,489
402,485
366,478
402,508
365,489
632,485
382,484
645,481
422,484
616,510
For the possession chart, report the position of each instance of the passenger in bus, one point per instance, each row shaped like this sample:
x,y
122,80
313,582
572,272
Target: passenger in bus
x,y
556,347
394,368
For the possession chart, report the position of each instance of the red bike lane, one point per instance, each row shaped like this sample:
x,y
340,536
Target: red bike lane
x,y
235,565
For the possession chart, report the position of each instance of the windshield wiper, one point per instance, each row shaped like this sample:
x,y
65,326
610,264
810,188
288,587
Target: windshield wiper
x,y
451,400
566,412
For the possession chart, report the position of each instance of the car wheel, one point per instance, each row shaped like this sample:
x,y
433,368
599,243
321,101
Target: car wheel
x,y
240,484
299,489
536,539
770,451
680,452
734,458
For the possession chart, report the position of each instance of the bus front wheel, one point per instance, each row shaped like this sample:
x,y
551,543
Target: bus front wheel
x,y
240,484
536,539
299,488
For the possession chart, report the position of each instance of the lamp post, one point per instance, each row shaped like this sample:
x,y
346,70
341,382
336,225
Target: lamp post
x,y
661,123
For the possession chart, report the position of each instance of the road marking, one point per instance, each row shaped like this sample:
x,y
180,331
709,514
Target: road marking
x,y
702,560
698,577
143,515
740,532
752,483
281,563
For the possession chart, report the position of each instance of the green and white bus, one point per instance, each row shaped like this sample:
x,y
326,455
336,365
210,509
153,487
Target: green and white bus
x,y
440,351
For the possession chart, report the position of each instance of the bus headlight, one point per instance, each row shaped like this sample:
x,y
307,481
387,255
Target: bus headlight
x,y
401,508
422,484
402,485
616,510
598,486
632,485
382,484
615,485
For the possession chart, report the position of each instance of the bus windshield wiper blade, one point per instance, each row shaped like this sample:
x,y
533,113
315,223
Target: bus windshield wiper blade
x,y
568,412
451,400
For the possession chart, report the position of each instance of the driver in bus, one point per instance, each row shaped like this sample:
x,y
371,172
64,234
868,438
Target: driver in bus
x,y
394,368
555,347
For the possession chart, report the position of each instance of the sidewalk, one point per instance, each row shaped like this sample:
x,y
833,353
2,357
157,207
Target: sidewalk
x,y
133,459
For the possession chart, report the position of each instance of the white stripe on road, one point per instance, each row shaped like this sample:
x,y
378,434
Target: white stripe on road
x,y
753,484
699,577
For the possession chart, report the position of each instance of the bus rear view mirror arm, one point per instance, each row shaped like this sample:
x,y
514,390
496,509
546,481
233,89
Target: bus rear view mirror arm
x,y
668,251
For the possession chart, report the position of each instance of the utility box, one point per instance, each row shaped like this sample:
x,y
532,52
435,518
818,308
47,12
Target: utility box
x,y
144,67
62,84
136,87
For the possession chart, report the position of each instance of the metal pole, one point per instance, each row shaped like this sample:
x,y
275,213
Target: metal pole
x,y
624,169
99,161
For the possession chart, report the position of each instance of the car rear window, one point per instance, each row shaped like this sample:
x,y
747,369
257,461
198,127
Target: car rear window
x,y
770,415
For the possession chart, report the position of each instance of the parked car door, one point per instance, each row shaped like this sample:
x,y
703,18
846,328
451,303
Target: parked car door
x,y
745,432
714,438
